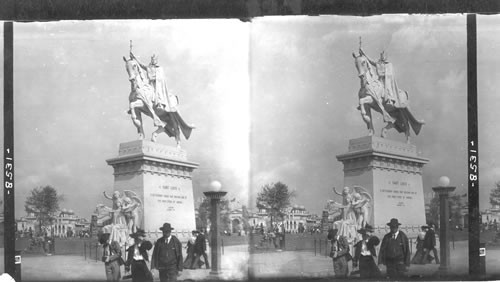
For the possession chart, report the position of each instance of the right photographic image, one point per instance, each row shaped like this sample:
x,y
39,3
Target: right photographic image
x,y
358,147
488,103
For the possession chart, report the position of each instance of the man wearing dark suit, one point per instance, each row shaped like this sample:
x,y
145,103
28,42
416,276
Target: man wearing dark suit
x,y
395,251
137,257
167,255
364,253
200,249
430,243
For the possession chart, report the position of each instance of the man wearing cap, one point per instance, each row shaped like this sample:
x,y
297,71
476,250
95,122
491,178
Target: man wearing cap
x,y
167,255
395,251
137,257
430,243
364,253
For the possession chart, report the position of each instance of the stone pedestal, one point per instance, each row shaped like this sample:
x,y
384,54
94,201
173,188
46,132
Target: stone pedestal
x,y
391,171
161,176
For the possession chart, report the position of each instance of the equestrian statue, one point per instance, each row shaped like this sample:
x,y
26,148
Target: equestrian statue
x,y
149,96
379,91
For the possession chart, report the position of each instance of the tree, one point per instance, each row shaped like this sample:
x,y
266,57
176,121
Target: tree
x,y
246,218
204,214
455,205
43,203
495,195
274,198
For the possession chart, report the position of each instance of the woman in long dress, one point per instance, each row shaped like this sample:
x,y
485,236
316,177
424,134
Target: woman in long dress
x,y
190,256
418,258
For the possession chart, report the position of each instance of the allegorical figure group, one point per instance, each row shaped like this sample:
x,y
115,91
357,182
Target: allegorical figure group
x,y
394,252
166,256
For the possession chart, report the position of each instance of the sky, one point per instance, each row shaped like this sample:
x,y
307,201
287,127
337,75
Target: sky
x,y
488,72
272,100
71,97
304,96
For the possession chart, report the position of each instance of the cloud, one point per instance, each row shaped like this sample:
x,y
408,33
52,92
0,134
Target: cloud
x,y
454,80
278,173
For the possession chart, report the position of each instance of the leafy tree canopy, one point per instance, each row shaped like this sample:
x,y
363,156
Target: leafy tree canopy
x,y
274,198
43,202
495,195
204,213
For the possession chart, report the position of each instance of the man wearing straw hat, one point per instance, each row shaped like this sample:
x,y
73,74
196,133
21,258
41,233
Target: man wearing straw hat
x,y
395,251
137,257
112,256
339,253
364,253
167,255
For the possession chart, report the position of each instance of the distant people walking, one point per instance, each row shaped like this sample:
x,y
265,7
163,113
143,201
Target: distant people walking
x,y
200,249
190,255
167,255
430,243
395,251
137,257
339,253
112,257
418,258
365,253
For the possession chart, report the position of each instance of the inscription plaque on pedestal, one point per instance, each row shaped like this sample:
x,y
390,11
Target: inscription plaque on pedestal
x,y
391,171
161,176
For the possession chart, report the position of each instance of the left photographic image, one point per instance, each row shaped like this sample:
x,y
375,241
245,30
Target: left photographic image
x,y
131,140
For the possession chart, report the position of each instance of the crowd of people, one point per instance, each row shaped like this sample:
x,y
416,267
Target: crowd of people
x,y
166,258
273,238
394,252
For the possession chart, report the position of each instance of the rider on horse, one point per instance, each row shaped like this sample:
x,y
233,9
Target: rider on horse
x,y
156,79
149,90
392,95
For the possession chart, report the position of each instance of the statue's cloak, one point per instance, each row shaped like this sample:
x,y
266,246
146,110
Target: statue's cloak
x,y
172,119
161,92
399,110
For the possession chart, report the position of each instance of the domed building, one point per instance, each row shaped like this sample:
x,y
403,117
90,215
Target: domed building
x,y
65,224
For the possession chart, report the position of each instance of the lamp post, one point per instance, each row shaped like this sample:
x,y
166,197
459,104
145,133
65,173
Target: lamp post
x,y
215,195
443,190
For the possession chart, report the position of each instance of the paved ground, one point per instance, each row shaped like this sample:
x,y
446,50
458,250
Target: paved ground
x,y
235,262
